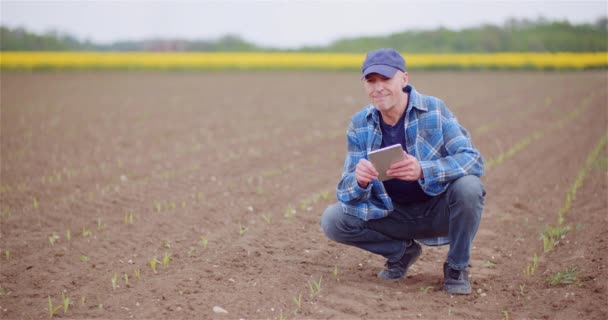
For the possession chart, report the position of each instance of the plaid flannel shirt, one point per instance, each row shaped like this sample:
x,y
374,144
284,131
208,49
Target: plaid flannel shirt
x,y
433,135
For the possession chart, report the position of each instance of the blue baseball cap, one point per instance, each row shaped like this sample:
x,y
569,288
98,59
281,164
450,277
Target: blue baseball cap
x,y
385,62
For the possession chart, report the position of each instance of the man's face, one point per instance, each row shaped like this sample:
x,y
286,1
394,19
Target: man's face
x,y
385,93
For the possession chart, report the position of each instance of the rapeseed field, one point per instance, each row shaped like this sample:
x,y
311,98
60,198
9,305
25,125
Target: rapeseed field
x,y
292,60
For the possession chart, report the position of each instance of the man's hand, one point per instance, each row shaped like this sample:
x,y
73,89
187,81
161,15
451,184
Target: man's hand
x,y
365,173
406,169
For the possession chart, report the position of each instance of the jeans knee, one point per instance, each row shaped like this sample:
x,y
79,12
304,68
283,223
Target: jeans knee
x,y
337,225
467,191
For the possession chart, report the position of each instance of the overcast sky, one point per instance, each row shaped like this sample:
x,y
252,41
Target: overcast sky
x,y
283,24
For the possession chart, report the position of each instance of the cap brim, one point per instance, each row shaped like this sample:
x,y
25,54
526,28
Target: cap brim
x,y
380,69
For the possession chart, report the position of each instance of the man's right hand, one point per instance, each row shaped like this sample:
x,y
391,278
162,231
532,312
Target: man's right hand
x,y
365,173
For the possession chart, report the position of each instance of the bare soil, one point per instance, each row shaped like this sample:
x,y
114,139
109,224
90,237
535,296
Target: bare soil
x,y
249,161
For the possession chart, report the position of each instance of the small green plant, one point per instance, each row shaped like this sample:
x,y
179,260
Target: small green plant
x,y
7,254
84,258
203,242
522,289
166,260
66,303
425,290
529,270
166,244
290,212
114,281
86,232
489,264
505,314
68,235
552,235
153,263
282,316
242,230
36,206
335,273
266,218
128,219
297,300
137,274
566,277
52,309
157,206
126,277
100,225
315,287
53,238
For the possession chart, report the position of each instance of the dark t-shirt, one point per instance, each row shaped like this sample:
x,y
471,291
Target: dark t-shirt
x,y
400,191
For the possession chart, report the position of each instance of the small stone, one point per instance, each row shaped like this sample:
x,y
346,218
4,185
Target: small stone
x,y
218,309
479,290
483,294
123,178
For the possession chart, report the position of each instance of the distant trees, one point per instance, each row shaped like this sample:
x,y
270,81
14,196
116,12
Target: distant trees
x,y
514,35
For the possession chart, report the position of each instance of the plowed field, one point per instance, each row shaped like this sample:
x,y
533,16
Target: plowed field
x,y
222,179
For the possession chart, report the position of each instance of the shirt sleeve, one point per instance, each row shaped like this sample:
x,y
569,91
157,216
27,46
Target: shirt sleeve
x,y
459,158
348,190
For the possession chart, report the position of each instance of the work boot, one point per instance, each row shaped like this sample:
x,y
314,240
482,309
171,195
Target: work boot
x,y
398,269
456,281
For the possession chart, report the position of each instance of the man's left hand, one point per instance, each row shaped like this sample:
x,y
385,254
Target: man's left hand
x,y
407,169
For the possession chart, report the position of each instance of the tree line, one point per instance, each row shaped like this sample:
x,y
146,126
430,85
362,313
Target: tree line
x,y
514,35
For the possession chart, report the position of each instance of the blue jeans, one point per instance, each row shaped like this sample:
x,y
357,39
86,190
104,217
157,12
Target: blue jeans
x,y
455,214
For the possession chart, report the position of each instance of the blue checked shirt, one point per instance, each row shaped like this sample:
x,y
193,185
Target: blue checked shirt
x,y
433,136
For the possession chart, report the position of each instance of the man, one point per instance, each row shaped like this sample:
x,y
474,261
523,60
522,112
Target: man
x,y
435,195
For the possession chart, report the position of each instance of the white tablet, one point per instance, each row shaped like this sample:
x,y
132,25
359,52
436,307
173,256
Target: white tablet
x,y
383,158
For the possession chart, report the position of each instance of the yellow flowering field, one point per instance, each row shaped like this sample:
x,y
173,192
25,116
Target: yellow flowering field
x,y
292,61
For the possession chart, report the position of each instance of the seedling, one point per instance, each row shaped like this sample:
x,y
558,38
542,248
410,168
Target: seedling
x,y
552,235
128,219
522,288
203,242
7,254
242,230
166,244
529,270
114,280
282,316
290,212
157,206
36,206
66,303
82,300
489,264
425,290
166,260
68,235
315,287
335,273
84,258
266,218
126,276
153,263
137,274
325,195
100,225
297,300
52,310
567,277
53,238
505,314
86,232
